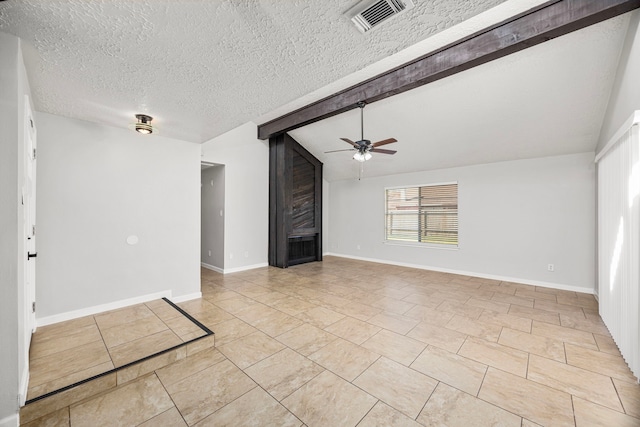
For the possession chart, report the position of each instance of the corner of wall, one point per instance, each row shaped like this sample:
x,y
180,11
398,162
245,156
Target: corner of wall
x,y
246,195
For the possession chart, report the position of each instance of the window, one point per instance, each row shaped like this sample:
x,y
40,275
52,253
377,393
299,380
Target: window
x,y
426,214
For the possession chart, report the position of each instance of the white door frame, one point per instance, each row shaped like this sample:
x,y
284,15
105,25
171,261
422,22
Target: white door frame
x,y
29,235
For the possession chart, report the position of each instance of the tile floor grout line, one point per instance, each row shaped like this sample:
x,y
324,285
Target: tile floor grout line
x,y
60,351
165,324
500,407
64,336
307,357
170,397
427,401
573,409
194,373
367,368
228,403
103,342
298,388
367,413
484,376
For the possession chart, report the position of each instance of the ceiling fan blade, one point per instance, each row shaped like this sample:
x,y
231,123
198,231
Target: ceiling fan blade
x,y
335,151
384,142
348,141
377,150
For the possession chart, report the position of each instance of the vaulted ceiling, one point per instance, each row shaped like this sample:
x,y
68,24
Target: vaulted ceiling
x,y
203,67
547,100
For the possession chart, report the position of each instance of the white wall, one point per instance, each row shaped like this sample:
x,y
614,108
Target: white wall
x,y
13,86
625,95
246,223
514,218
97,185
212,217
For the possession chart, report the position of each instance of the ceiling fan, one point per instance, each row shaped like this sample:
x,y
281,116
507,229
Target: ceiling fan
x,y
364,147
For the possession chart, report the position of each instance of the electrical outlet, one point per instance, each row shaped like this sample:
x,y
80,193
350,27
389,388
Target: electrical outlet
x,y
230,256
209,253
246,254
358,247
551,267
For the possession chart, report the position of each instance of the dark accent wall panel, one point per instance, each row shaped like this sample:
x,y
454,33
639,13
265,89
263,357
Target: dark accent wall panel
x,y
295,203
303,201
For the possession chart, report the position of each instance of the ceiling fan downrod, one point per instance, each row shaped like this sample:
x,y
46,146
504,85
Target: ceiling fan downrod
x,y
361,105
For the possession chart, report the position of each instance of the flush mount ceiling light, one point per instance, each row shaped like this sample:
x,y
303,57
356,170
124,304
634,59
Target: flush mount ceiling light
x,y
144,124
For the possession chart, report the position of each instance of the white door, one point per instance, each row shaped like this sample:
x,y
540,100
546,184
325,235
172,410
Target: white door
x,y
29,201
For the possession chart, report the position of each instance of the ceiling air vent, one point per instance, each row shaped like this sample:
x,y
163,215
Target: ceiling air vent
x,y
369,13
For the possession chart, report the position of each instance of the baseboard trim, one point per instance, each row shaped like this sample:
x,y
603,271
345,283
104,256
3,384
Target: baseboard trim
x,y
542,284
232,270
245,268
24,387
10,421
56,318
188,297
212,267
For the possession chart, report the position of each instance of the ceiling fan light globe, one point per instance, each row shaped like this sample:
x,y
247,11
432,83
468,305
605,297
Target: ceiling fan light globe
x,y
367,156
359,157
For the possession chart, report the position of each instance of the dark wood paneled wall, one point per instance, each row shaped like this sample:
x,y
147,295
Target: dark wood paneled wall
x,y
295,203
303,198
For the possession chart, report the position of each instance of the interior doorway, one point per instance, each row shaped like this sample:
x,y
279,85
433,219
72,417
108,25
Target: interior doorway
x,y
212,212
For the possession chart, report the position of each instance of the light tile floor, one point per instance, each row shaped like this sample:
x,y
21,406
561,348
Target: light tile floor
x,y
68,352
346,343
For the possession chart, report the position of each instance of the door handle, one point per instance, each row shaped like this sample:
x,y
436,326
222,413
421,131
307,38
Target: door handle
x,y
30,255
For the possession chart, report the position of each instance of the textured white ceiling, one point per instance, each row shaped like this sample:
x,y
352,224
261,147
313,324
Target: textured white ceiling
x,y
544,101
201,67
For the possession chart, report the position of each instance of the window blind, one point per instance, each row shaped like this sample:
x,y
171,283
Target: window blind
x,y
425,214
619,240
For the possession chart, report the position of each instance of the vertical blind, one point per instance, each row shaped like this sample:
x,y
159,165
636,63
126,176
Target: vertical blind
x,y
619,243
425,214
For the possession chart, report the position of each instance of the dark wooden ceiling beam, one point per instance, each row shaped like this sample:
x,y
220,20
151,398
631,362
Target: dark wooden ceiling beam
x,y
536,26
